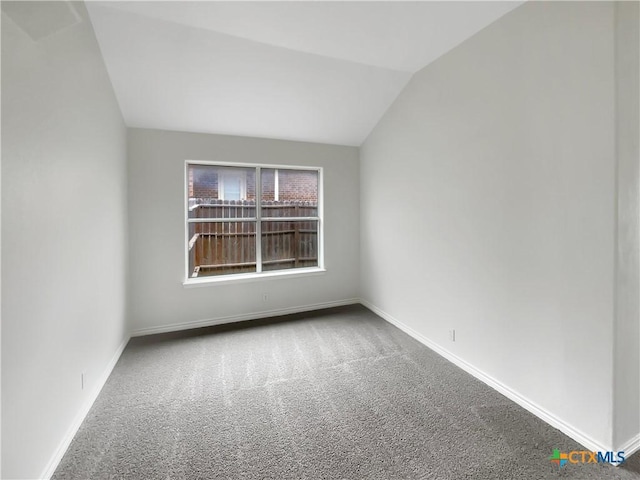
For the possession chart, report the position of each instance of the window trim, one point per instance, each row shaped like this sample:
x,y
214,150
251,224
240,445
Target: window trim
x,y
259,274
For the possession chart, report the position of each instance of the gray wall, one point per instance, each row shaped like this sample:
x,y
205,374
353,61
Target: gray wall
x,y
492,179
156,225
64,245
627,332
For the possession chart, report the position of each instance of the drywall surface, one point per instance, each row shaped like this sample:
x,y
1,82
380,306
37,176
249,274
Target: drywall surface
x,y
488,207
64,240
627,331
157,232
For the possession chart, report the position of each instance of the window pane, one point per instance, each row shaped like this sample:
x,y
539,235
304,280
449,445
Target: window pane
x,y
221,248
289,193
288,245
222,187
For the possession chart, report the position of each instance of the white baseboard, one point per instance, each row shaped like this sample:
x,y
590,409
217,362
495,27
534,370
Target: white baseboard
x,y
631,446
548,417
79,418
240,318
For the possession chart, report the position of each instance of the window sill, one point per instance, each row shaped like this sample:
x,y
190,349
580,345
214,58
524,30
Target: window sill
x,y
252,277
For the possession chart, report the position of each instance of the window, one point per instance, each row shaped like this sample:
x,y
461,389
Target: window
x,y
233,185
246,220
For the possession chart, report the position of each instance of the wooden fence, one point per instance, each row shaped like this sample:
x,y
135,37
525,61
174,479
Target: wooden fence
x,y
217,248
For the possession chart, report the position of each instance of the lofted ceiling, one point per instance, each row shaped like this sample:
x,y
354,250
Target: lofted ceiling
x,y
312,71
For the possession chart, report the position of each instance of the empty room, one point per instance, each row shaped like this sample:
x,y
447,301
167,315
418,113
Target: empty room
x,y
320,240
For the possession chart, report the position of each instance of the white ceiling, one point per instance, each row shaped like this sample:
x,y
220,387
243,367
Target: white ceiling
x,y
312,71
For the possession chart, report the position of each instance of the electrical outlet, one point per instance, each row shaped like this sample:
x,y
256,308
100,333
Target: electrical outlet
x,y
452,335
265,297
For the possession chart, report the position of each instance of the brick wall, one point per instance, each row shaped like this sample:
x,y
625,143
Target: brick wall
x,y
298,185
268,185
251,187
292,184
203,182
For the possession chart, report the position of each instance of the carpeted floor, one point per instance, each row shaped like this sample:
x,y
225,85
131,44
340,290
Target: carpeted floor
x,y
337,394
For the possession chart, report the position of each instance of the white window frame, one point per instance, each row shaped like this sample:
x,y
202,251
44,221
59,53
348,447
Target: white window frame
x,y
258,219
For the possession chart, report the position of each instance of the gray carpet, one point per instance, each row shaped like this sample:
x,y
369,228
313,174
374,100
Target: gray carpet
x,y
337,394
